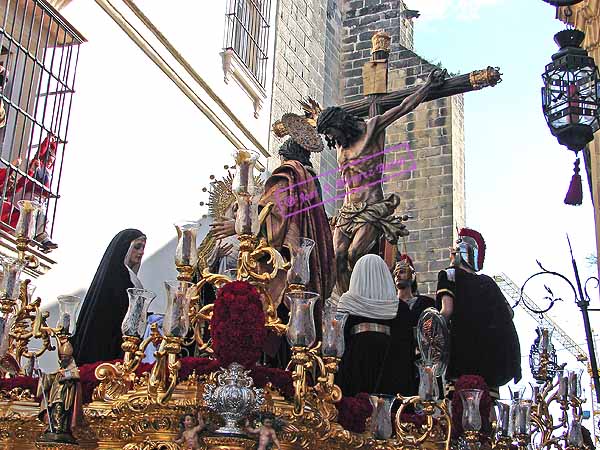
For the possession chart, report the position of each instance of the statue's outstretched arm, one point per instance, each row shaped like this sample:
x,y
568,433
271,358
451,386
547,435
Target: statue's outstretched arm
x,y
434,80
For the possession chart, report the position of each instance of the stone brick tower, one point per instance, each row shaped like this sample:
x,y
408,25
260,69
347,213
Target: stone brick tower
x,y
321,47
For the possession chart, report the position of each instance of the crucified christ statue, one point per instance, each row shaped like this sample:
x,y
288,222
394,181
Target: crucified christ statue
x,y
366,214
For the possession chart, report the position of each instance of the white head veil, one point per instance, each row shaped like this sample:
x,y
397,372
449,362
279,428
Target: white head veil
x,y
372,292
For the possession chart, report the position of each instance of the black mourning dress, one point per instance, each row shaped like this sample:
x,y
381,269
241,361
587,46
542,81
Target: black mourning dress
x,y
375,362
483,338
98,334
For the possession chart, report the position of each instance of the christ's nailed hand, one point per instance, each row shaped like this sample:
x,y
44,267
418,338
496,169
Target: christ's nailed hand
x,y
436,78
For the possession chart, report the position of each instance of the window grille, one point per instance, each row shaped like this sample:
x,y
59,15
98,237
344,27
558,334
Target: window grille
x,y
247,34
38,59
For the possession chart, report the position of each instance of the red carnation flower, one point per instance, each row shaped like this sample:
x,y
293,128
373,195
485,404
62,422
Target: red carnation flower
x,y
353,412
238,324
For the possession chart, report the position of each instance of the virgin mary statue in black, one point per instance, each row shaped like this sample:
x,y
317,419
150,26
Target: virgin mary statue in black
x,y
98,333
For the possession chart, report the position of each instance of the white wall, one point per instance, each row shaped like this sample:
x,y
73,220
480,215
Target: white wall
x,y
139,151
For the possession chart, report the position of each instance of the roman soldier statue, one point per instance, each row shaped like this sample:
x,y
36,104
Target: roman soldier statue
x,y
483,338
411,306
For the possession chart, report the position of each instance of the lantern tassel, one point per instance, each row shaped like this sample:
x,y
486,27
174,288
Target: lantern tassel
x,y
574,195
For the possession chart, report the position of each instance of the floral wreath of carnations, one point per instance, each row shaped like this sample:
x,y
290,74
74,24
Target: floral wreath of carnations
x,y
238,325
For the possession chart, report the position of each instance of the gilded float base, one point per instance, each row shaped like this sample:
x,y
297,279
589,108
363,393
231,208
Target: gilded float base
x,y
55,445
228,443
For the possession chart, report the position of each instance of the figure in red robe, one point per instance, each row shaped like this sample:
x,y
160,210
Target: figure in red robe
x,y
298,212
28,188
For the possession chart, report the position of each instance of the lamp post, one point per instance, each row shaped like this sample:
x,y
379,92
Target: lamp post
x,y
581,299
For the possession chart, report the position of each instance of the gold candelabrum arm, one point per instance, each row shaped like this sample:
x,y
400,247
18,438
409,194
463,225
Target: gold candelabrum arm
x,y
407,437
305,359
544,424
255,255
327,388
163,378
30,322
118,379
199,315
134,350
300,362
32,262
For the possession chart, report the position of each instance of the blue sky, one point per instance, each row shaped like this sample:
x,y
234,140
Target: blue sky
x,y
516,173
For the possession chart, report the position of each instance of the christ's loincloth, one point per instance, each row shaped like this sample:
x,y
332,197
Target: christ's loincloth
x,y
353,216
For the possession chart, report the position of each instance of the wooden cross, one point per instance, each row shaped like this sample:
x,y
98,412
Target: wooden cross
x,y
378,100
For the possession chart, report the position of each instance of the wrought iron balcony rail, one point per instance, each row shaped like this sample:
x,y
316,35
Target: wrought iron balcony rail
x,y
247,34
39,50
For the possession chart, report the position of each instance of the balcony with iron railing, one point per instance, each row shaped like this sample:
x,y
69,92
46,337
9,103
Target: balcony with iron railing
x,y
38,62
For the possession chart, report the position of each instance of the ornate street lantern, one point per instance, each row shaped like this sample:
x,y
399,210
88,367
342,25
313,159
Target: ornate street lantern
x,y
570,99
542,356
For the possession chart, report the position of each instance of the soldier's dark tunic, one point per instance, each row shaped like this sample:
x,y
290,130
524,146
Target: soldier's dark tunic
x,y
483,338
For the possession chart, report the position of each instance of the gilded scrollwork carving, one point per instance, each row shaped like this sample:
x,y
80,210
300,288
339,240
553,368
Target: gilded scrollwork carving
x,y
149,444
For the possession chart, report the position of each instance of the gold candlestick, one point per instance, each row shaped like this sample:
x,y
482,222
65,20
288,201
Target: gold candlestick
x,y
472,439
185,273
522,441
409,438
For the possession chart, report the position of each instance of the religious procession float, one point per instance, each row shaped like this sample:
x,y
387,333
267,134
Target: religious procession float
x,y
131,405
302,394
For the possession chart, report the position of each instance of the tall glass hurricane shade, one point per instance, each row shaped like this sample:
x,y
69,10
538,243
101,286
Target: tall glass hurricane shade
x,y
246,219
575,383
381,418
186,253
299,273
563,383
11,268
516,394
28,212
575,434
333,333
243,181
177,321
471,418
523,417
428,387
5,325
504,427
134,322
67,307
301,330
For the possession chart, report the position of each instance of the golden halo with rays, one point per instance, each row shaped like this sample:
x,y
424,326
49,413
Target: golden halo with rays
x,y
220,199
